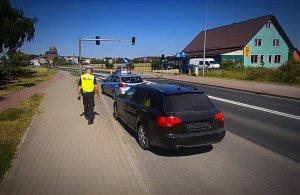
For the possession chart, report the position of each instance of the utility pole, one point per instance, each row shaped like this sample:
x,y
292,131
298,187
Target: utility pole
x,y
79,57
204,45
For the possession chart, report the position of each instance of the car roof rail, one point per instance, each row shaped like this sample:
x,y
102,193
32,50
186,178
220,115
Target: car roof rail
x,y
184,85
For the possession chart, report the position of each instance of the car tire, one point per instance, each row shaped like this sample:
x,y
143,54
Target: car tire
x,y
142,137
114,95
116,114
102,90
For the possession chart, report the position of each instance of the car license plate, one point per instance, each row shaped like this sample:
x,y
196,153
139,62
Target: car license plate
x,y
199,126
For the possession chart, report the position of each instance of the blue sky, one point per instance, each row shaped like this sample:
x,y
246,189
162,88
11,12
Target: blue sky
x,y
160,26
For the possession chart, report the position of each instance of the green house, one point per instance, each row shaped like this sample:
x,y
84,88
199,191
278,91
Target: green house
x,y
256,42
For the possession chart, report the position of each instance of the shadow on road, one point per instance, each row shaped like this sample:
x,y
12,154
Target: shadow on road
x,y
170,152
181,151
2,98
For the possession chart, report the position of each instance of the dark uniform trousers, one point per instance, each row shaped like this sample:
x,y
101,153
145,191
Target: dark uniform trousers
x,y
89,104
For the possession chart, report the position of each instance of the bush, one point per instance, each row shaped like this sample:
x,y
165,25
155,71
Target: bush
x,y
130,65
259,74
108,65
231,65
155,64
288,73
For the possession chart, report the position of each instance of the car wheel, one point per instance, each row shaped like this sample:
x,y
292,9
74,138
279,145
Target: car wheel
x,y
114,95
142,137
102,90
116,114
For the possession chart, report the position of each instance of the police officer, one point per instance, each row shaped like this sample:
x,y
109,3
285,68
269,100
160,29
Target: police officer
x,y
87,86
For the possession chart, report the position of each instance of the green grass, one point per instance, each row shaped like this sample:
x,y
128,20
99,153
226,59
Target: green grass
x,y
37,75
231,74
265,75
13,125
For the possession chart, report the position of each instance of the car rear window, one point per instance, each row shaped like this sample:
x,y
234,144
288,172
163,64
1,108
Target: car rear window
x,y
187,102
132,79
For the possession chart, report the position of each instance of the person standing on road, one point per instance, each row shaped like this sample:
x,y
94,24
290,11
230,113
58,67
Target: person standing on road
x,y
87,86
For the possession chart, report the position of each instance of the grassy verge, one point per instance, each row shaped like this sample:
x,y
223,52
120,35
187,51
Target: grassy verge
x,y
265,75
13,125
34,77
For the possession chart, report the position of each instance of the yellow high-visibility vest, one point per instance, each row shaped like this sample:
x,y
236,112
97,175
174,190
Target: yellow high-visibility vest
x,y
87,83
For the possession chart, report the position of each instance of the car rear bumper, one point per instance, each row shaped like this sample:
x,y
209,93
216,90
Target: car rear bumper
x,y
192,139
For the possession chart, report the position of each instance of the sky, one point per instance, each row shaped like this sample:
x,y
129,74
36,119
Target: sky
x,y
160,26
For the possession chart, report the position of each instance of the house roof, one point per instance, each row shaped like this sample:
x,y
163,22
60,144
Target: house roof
x,y
231,37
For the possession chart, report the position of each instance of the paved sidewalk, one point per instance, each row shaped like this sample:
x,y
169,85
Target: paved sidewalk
x,y
61,154
263,88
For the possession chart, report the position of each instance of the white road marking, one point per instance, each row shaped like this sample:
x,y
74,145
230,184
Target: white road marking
x,y
256,108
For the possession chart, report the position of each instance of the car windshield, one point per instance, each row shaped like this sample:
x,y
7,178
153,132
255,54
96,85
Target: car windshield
x,y
187,102
132,79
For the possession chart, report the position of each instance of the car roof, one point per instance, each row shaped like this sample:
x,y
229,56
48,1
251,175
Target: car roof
x,y
174,88
126,75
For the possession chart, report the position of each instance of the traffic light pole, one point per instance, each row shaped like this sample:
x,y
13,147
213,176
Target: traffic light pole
x,y
132,40
79,58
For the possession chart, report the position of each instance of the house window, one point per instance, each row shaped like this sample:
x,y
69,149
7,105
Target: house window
x,y
275,42
277,59
269,24
254,59
270,59
258,42
261,59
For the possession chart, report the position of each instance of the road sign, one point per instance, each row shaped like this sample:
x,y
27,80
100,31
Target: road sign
x,y
125,60
247,51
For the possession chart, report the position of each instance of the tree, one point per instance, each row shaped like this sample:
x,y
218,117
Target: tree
x,y
15,28
12,67
155,64
130,65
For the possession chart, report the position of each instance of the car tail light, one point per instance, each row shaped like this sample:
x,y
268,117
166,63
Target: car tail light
x,y
122,84
219,116
168,121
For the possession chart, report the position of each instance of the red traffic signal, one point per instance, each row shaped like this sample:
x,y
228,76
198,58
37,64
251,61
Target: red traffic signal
x,y
97,41
133,40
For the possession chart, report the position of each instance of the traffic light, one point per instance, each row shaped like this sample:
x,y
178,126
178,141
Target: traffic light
x,y
133,40
97,41
162,59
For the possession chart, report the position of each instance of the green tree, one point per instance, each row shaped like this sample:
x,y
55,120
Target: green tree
x,y
12,67
130,65
155,64
15,28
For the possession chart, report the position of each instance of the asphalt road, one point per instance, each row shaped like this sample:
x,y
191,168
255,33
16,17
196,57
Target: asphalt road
x,y
233,166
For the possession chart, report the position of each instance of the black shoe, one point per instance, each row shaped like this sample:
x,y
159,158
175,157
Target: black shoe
x,y
90,122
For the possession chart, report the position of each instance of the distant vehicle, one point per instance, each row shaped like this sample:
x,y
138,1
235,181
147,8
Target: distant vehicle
x,y
210,63
157,114
186,67
119,83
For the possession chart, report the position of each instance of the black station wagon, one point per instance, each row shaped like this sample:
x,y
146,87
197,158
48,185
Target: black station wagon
x,y
170,116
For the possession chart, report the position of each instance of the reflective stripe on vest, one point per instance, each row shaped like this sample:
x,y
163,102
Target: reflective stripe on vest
x,y
87,83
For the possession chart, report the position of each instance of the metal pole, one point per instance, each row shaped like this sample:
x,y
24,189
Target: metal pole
x,y
203,68
79,58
